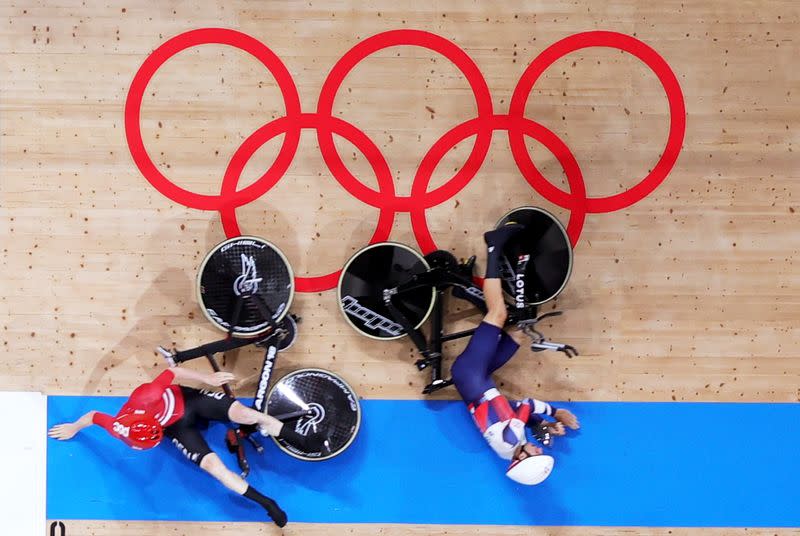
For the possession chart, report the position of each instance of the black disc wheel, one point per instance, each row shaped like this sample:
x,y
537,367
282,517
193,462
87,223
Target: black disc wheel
x,y
245,286
537,261
367,274
333,412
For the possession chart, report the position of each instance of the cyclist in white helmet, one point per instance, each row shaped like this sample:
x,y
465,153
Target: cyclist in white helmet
x,y
503,422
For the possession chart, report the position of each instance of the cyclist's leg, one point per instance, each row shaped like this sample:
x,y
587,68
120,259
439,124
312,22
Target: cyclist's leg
x,y
207,404
496,312
492,287
241,414
506,348
493,291
188,439
212,464
185,436
217,406
472,369
269,425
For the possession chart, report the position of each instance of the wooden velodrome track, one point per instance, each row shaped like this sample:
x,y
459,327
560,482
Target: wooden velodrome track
x,y
690,294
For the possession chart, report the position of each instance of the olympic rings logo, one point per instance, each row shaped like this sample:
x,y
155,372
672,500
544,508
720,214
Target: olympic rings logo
x,y
385,199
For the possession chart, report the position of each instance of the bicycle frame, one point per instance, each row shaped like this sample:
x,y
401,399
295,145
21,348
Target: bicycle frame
x,y
229,343
208,350
442,276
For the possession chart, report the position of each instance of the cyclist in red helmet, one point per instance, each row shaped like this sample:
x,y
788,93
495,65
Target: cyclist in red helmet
x,y
161,408
502,422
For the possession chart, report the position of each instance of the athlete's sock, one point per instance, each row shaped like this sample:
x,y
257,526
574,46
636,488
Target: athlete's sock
x,y
495,240
272,508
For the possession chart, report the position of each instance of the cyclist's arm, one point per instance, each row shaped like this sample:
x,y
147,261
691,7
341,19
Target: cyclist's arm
x,y
86,420
180,374
531,410
104,421
68,430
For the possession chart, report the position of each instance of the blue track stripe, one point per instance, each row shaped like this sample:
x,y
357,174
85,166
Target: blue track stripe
x,y
633,464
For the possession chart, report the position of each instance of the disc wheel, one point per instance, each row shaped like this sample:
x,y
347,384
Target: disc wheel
x,y
367,274
543,249
244,286
335,412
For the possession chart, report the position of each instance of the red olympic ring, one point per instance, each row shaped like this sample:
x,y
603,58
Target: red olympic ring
x,y
133,108
460,59
500,122
340,127
677,123
385,199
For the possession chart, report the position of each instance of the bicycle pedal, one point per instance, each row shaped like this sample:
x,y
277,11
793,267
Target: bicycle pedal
x,y
435,386
431,361
245,468
255,444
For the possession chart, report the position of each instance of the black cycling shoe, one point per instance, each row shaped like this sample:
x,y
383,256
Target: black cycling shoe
x,y
498,237
278,516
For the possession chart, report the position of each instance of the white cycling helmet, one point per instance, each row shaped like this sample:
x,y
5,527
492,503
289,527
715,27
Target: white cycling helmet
x,y
532,470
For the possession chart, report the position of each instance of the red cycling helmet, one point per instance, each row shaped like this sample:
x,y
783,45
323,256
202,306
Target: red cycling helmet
x,y
148,397
138,430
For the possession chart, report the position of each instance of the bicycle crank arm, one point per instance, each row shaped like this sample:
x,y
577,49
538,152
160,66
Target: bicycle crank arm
x,y
255,443
283,417
436,385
